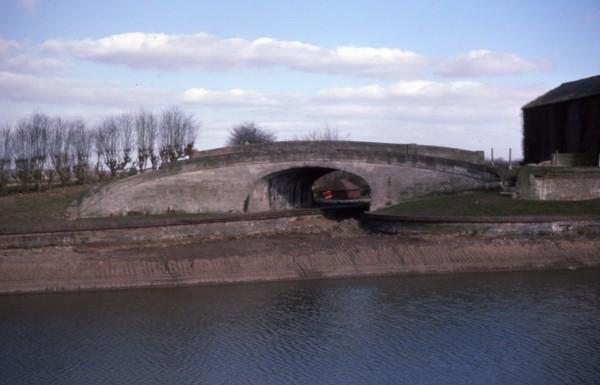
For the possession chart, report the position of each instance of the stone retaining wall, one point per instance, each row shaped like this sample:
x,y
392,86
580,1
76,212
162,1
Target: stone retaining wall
x,y
559,183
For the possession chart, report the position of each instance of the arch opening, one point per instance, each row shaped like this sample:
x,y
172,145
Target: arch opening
x,y
340,187
303,187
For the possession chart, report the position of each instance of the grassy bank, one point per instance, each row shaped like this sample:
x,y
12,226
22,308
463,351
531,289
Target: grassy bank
x,y
35,207
490,203
45,210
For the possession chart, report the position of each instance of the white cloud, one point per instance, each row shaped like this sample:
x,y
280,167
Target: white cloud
x,y
32,65
418,91
464,114
471,115
483,62
232,97
33,89
207,52
428,101
204,51
16,57
7,45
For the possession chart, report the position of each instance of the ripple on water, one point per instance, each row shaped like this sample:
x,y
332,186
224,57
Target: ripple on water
x,y
525,328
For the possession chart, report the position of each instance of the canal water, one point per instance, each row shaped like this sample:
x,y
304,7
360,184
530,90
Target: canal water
x,y
494,328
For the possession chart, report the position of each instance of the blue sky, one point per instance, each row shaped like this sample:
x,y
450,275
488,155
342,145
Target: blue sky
x,y
432,72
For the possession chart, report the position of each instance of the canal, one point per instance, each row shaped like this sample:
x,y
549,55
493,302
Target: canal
x,y
493,328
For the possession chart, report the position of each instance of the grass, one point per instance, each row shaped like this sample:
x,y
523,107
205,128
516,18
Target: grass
x,y
36,210
36,207
490,203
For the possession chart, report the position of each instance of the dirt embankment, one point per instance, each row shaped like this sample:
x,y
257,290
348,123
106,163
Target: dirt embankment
x,y
306,248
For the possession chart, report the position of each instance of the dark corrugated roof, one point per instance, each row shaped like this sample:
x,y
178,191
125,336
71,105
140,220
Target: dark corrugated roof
x,y
572,90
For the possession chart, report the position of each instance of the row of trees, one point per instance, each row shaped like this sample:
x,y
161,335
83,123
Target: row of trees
x,y
41,150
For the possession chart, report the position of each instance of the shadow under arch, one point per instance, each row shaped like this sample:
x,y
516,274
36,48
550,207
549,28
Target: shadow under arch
x,y
292,188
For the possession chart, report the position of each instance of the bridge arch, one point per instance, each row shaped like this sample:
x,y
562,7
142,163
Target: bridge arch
x,y
291,188
277,175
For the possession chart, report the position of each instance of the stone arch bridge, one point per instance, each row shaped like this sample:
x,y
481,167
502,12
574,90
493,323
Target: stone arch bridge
x,y
280,175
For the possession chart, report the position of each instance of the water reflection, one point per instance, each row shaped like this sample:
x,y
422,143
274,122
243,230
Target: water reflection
x,y
525,328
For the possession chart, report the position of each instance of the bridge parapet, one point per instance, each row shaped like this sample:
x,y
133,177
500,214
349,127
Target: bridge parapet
x,y
328,147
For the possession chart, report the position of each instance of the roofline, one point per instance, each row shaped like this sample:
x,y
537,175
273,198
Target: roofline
x,y
527,107
537,103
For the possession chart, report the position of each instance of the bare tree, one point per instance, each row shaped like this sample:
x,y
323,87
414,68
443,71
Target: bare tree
x,y
44,148
99,139
249,133
178,133
126,127
22,153
107,145
325,134
146,128
38,140
59,148
6,154
81,150
114,143
30,144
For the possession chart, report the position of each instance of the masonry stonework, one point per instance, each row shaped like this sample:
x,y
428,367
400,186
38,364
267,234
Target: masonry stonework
x,y
559,183
280,175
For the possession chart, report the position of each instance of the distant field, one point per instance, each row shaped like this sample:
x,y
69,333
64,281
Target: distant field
x,y
490,203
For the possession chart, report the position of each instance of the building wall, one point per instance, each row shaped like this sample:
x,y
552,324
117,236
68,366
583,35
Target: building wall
x,y
568,127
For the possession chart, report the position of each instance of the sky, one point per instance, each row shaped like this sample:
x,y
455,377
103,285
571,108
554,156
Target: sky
x,y
446,73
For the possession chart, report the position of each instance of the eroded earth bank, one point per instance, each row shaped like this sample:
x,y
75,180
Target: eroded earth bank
x,y
305,247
